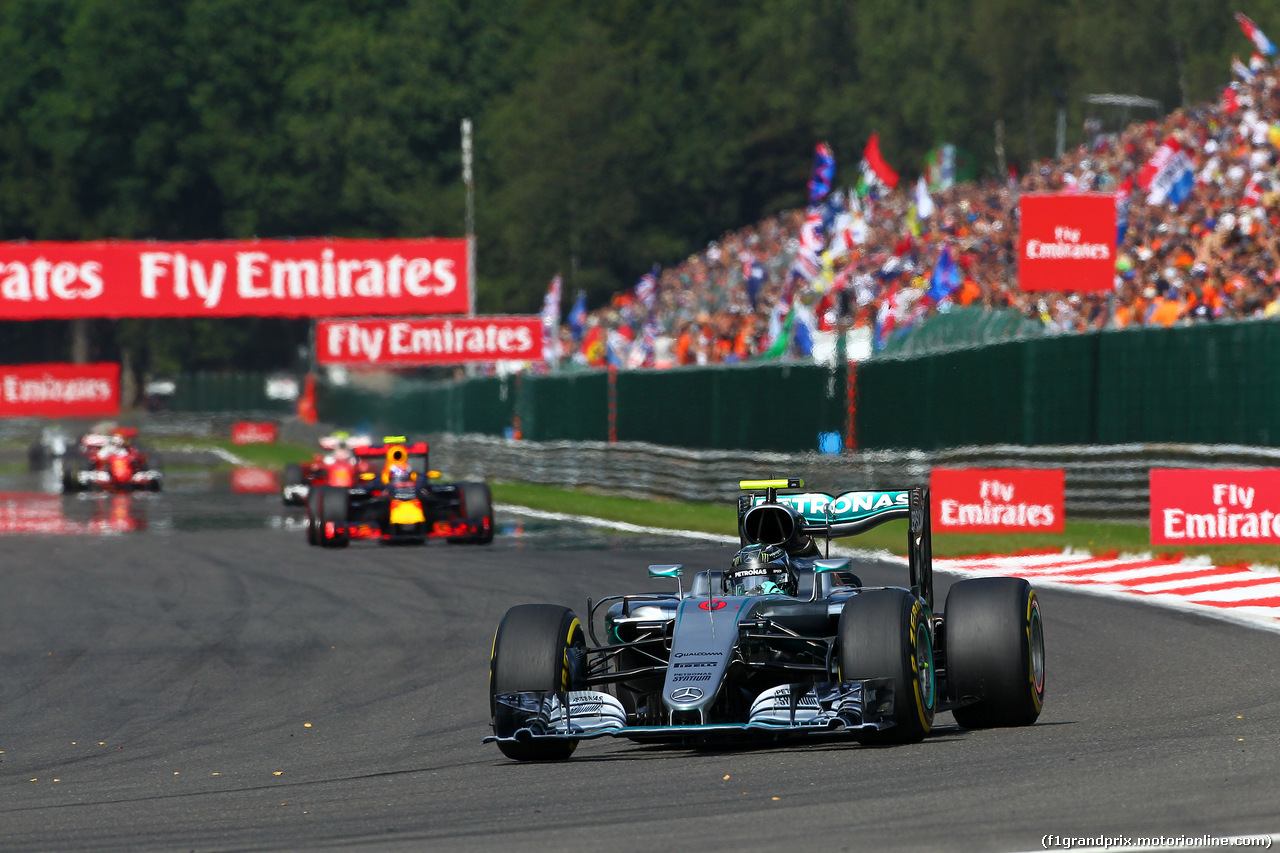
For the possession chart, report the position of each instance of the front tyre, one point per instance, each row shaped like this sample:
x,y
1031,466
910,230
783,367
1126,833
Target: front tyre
x,y
886,633
995,652
537,647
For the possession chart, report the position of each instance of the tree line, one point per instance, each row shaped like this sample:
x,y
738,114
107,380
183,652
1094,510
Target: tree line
x,y
608,136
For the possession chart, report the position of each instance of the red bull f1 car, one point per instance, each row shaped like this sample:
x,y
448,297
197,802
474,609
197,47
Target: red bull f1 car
x,y
388,494
781,642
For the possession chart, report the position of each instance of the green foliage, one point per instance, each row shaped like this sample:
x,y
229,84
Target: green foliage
x,y
609,136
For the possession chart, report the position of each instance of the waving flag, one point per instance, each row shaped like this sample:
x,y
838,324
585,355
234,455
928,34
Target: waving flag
x,y
807,263
1255,35
824,170
1168,175
924,204
1123,193
755,274
804,329
946,276
812,236
551,322
578,316
848,231
647,288
1241,70
874,169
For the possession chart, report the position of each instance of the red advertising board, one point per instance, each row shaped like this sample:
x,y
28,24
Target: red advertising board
x,y
1067,241
254,432
233,278
997,500
254,481
1201,506
435,340
60,390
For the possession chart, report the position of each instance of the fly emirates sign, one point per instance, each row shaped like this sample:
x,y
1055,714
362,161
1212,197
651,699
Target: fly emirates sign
x,y
997,500
1212,506
250,278
410,342
1066,241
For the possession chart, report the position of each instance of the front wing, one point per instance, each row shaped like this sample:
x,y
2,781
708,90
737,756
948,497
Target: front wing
x,y
825,709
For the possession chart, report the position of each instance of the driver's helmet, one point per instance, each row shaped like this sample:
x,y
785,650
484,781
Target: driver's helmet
x,y
760,570
399,473
342,451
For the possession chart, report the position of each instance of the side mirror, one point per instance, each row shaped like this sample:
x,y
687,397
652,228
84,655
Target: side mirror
x,y
836,564
669,570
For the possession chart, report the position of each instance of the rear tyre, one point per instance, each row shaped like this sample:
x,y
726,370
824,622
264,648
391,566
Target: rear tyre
x,y
995,652
886,633
313,517
537,647
477,507
334,507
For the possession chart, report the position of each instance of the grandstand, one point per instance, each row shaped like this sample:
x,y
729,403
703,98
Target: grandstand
x,y
1213,257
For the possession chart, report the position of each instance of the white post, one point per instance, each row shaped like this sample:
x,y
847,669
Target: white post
x,y
471,217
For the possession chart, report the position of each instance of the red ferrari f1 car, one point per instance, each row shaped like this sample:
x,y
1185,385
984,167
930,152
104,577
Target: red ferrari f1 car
x,y
112,462
387,493
300,478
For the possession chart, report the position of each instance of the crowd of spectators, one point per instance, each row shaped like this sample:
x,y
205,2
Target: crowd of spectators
x,y
1214,256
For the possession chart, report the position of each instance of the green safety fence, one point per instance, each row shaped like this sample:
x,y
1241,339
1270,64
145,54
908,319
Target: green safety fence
x,y
1203,384
963,327
225,392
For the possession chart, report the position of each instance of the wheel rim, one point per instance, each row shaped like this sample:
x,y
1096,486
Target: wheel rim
x,y
924,664
1035,637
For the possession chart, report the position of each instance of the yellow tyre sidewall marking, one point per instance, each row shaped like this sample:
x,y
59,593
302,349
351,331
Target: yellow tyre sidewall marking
x,y
1037,696
925,722
574,627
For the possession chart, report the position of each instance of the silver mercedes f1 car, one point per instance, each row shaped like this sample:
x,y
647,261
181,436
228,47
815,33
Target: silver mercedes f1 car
x,y
783,642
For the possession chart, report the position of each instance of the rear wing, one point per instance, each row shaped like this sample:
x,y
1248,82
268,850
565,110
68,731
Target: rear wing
x,y
847,514
355,442
418,448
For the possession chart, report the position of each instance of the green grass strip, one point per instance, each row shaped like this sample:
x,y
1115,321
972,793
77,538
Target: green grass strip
x,y
262,455
1095,537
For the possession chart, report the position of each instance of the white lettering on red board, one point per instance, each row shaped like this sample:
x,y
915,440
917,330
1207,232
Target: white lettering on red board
x,y
997,507
1223,524
42,280
403,339
49,389
258,276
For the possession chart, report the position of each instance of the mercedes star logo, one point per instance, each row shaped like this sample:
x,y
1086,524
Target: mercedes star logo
x,y
686,694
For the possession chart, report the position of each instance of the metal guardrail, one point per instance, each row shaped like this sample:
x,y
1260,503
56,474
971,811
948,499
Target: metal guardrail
x,y
1102,482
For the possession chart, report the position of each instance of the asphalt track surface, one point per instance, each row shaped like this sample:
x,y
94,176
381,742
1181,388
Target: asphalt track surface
x,y
209,682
